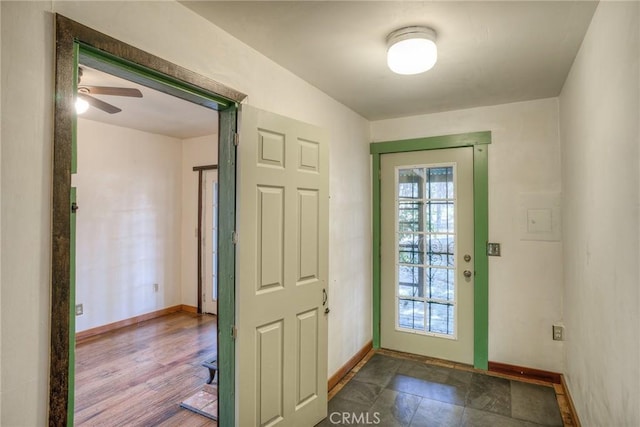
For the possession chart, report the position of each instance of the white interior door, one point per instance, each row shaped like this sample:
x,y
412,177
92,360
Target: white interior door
x,y
282,271
426,253
210,241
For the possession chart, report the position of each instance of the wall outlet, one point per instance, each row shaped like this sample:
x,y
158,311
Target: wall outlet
x,y
156,287
558,332
79,309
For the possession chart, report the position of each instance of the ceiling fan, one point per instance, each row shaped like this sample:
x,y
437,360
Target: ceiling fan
x,y
85,92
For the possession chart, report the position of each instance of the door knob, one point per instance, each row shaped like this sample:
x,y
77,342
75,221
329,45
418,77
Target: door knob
x,y
467,274
467,257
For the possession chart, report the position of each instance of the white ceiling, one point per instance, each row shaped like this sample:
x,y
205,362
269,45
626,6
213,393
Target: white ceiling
x,y
489,52
155,112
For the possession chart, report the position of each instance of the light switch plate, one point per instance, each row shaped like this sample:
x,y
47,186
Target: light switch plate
x,y
493,249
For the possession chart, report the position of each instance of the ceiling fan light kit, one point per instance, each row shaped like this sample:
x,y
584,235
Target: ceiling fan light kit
x,y
412,50
81,106
84,99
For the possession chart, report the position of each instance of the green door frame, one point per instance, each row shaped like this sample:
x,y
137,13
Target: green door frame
x,y
75,41
477,140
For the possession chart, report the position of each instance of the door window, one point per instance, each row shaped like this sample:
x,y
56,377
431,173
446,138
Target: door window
x,y
425,242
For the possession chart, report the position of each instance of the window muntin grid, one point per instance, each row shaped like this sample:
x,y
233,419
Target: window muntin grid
x,y
425,242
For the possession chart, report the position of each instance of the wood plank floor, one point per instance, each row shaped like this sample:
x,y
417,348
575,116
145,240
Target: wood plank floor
x,y
138,375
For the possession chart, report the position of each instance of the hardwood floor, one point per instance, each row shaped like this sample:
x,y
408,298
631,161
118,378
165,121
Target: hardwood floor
x,y
138,375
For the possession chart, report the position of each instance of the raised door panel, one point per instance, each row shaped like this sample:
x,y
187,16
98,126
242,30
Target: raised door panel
x,y
281,271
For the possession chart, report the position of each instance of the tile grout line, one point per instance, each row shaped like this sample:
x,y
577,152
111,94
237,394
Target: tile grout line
x,y
559,391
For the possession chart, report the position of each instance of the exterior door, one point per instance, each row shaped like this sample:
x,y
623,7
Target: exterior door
x,y
281,272
426,253
210,241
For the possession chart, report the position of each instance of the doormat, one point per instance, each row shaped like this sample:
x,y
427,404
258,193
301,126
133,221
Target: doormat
x,y
203,402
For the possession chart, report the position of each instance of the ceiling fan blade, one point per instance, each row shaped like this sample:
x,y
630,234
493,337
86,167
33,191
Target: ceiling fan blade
x,y
95,102
116,91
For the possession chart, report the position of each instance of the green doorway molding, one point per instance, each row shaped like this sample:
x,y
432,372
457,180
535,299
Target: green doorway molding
x,y
479,142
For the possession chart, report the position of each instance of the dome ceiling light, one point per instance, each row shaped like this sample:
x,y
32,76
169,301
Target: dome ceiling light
x,y
411,50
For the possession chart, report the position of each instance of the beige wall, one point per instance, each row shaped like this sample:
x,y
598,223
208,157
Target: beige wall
x,y
25,205
128,229
139,197
178,35
599,116
525,283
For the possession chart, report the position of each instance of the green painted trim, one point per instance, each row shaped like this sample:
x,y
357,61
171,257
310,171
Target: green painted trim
x,y
481,227
72,253
137,73
72,312
74,117
226,267
481,264
433,142
375,165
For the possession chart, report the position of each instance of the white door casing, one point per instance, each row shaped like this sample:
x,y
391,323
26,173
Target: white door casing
x,y
209,242
426,299
281,271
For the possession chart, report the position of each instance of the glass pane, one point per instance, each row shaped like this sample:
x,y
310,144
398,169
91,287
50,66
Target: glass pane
x,y
440,183
411,314
410,216
215,277
439,217
426,246
410,183
441,318
411,281
410,248
440,248
215,205
214,240
441,283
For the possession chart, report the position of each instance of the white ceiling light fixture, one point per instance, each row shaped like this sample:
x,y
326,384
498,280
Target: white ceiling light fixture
x,y
411,50
81,105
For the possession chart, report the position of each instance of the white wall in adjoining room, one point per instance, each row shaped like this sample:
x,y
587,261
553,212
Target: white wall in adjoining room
x,y
599,119
525,283
128,226
200,151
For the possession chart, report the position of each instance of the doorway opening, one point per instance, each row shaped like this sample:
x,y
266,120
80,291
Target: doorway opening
x,y
75,41
136,252
478,142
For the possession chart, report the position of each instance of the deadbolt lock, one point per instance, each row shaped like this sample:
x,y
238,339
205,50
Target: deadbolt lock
x,y
467,274
467,257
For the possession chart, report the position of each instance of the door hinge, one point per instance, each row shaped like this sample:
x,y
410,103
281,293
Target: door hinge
x,y
234,332
236,139
234,238
74,207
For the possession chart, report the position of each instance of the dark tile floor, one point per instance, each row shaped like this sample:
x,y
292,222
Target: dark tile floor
x,y
390,391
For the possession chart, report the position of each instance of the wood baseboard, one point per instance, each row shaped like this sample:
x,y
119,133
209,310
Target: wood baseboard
x,y
568,410
344,370
89,333
189,308
528,373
